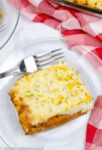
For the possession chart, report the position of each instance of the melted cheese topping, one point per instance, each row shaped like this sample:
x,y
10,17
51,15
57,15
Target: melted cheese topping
x,y
55,90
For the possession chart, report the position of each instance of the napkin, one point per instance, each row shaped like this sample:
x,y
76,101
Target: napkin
x,y
83,33
94,127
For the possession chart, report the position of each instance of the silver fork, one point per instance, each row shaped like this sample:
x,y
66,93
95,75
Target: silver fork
x,y
35,63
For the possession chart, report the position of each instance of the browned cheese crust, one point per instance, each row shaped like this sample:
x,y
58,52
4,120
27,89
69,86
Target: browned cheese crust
x,y
25,119
52,122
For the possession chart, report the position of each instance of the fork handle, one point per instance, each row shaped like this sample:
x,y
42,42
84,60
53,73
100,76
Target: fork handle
x,y
14,71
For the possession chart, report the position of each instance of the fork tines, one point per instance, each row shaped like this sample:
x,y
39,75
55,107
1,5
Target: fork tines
x,y
2,27
48,58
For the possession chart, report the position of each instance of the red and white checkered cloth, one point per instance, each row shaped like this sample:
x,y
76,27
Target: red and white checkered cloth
x,y
94,128
78,29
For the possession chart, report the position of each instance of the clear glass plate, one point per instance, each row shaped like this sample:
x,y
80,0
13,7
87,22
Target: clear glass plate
x,y
73,132
10,20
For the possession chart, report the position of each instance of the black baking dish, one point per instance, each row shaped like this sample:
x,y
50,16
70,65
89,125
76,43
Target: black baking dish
x,y
85,9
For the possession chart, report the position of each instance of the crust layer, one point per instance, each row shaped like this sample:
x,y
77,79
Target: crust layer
x,y
51,123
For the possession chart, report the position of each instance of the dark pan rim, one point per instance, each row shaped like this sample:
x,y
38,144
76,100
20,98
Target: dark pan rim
x,y
80,6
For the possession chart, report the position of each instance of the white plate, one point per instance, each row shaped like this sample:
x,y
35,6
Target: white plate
x,y
72,132
10,20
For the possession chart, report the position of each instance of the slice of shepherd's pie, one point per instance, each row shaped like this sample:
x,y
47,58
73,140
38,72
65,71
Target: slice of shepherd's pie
x,y
50,97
